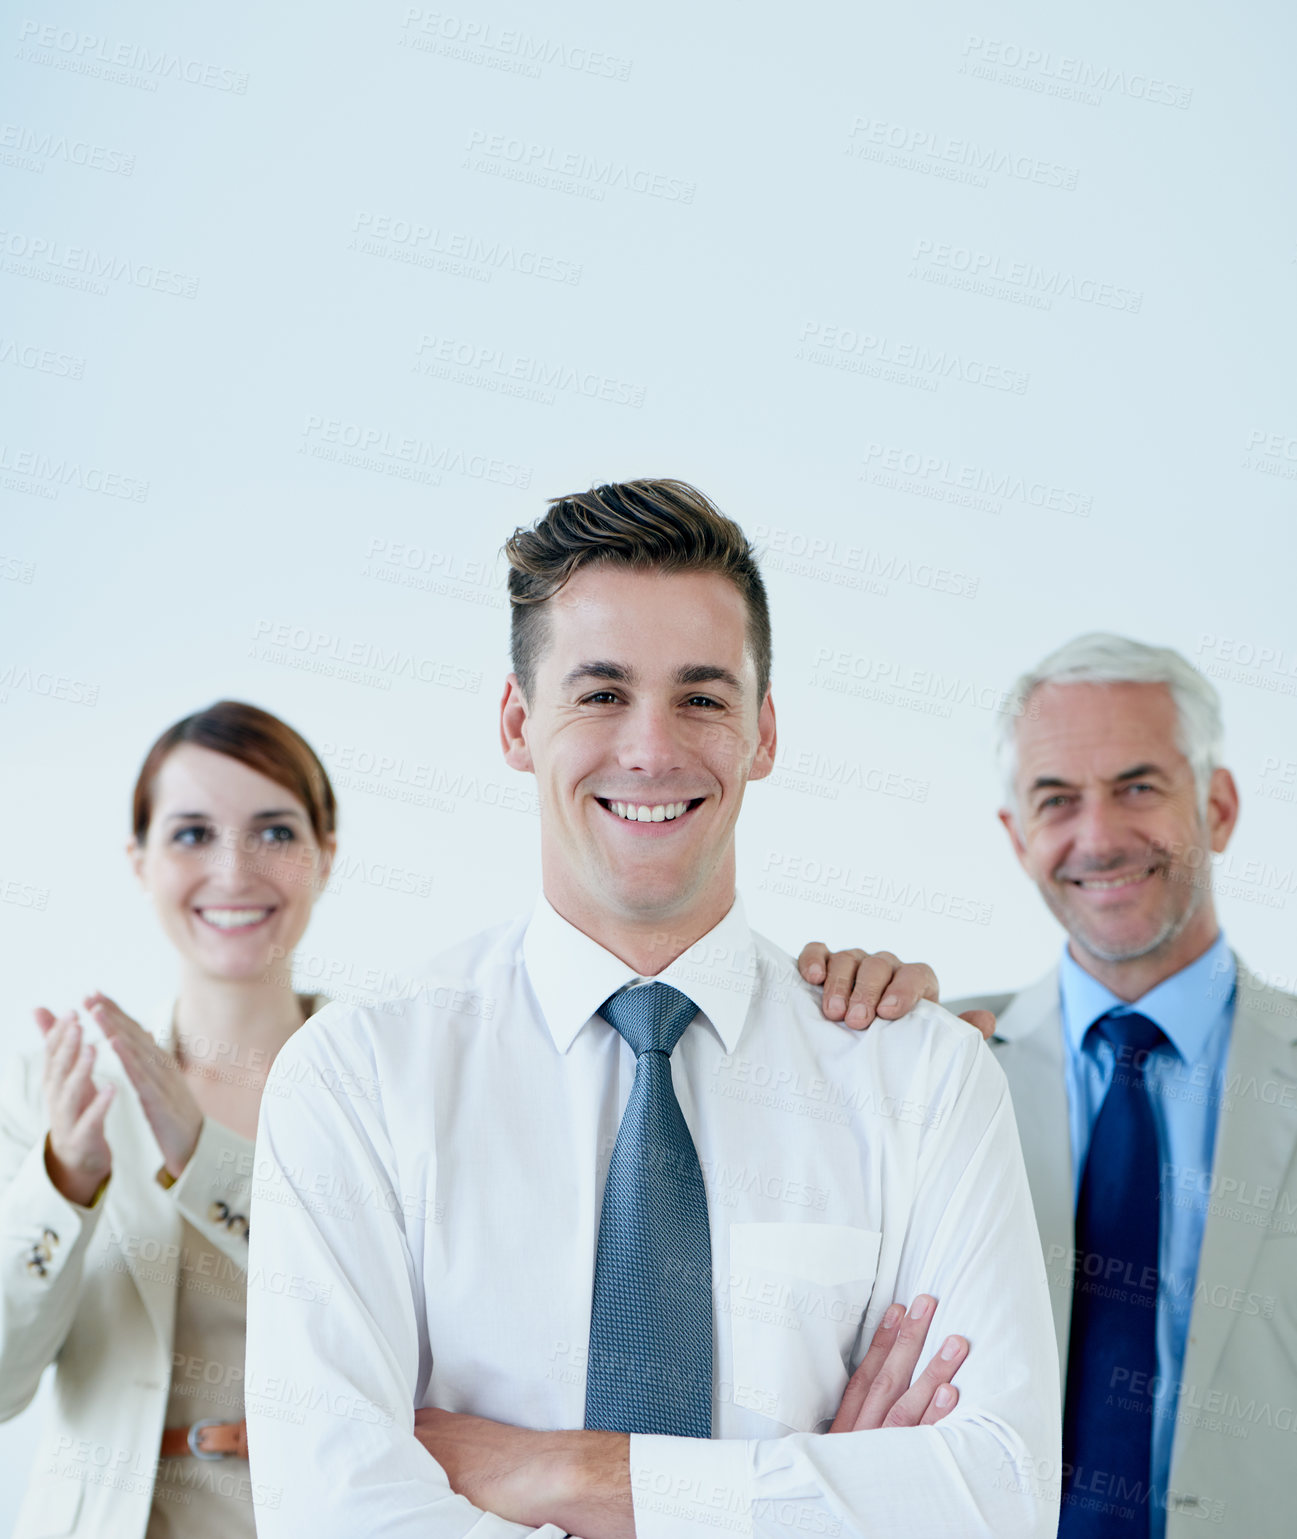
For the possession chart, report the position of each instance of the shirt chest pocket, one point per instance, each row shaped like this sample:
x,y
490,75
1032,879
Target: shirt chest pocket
x,y
797,1295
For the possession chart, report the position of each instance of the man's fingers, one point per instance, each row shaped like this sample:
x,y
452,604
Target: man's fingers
x,y
871,982
912,982
893,1378
853,1397
921,1398
842,970
984,1020
813,961
943,1402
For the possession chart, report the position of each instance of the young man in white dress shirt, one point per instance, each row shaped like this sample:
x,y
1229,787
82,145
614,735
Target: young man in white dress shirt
x,y
524,1229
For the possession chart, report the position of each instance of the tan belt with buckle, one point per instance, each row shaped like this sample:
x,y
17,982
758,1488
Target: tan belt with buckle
x,y
207,1440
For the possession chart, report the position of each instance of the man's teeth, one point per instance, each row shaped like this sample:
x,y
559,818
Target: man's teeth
x,y
1101,884
662,813
233,918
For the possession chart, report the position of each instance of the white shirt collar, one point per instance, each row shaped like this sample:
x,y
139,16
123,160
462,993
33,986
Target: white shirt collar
x,y
572,975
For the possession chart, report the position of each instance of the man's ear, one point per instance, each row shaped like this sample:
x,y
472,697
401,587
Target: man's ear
x,y
1222,808
766,740
1010,820
513,727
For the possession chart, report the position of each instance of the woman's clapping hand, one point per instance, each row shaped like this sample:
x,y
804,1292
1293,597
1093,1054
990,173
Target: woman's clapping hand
x,y
77,1157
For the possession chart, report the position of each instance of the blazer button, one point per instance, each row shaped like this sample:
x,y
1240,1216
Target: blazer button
x,y
50,1237
237,1224
36,1266
218,1212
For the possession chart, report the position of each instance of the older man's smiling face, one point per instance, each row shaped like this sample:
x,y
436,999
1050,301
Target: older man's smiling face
x,y
1108,824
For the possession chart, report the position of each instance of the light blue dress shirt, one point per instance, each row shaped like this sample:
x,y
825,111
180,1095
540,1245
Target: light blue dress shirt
x,y
1195,1009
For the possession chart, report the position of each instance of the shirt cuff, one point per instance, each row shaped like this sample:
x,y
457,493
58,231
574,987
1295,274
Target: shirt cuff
x,y
682,1487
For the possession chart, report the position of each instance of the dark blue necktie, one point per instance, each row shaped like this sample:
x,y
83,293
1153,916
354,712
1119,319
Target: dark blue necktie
x,y
650,1362
1112,1359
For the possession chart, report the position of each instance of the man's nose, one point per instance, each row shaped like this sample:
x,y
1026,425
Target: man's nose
x,y
1101,830
650,740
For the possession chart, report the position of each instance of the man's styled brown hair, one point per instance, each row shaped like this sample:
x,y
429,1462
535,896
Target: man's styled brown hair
x,y
659,525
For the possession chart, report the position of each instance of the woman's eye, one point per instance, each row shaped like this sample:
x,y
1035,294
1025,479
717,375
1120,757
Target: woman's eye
x,y
191,834
278,833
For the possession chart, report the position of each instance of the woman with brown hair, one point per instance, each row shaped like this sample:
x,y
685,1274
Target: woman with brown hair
x,y
126,1173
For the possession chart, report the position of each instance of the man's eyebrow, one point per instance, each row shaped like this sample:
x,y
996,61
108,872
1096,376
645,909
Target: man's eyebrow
x,y
611,673
708,673
1140,772
1049,783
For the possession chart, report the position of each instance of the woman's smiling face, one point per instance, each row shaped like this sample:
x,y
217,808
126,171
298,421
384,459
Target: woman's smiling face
x,y
231,862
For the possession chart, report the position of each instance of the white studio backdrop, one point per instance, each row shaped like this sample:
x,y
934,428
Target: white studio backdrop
x,y
979,320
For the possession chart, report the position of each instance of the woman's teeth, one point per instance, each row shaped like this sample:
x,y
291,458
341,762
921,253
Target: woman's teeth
x,y
634,813
233,918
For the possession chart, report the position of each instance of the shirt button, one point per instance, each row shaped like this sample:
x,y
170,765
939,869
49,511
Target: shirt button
x,y
50,1237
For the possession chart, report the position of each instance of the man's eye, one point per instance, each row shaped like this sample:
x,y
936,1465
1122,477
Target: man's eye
x,y
1051,802
191,834
706,702
1140,785
600,697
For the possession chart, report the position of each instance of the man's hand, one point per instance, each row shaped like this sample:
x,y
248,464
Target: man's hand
x,y
879,1392
859,985
579,1480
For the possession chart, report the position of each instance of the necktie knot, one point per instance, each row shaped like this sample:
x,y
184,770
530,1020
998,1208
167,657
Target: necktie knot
x,y
1132,1036
651,1016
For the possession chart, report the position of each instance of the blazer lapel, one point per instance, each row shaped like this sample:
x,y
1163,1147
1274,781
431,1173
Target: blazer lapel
x,y
1028,1042
1256,1139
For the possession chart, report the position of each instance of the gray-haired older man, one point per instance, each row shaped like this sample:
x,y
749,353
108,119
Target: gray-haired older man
x,y
1155,1088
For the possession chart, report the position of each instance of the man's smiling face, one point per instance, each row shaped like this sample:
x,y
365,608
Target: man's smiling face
x,y
643,729
1108,824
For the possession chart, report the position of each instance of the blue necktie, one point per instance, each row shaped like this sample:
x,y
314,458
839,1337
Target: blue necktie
x,y
650,1362
1112,1359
